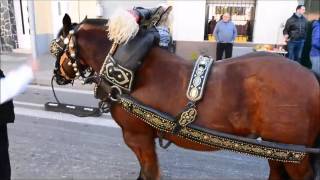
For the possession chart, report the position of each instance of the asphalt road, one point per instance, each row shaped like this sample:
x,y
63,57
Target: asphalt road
x,y
49,145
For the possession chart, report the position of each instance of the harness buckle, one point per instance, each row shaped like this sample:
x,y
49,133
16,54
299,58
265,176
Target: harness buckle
x,y
115,91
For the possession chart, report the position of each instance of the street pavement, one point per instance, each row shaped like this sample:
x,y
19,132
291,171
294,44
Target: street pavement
x,y
49,145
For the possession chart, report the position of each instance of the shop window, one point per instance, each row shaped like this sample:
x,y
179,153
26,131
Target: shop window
x,y
242,14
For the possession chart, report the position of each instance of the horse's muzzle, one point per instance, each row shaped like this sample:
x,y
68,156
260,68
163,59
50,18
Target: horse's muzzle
x,y
60,80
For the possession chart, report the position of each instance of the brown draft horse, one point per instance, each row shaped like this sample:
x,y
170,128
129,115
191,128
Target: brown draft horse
x,y
254,95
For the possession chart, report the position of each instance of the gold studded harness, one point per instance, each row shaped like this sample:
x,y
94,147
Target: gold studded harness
x,y
182,124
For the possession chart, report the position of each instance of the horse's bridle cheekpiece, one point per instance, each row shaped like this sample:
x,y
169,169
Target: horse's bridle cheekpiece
x,y
68,46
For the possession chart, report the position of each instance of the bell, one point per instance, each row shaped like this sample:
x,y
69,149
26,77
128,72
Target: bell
x,y
71,32
73,55
69,63
66,41
75,69
74,65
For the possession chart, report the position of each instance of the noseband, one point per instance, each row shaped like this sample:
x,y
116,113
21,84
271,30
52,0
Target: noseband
x,y
67,45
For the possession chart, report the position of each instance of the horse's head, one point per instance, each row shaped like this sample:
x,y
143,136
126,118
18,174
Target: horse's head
x,y
76,46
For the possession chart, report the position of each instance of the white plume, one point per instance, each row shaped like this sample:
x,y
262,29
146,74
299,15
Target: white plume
x,y
122,26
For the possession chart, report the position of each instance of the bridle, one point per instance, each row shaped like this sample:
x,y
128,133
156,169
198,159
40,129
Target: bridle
x,y
68,46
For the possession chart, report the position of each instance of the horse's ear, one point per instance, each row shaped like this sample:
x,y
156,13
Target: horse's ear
x,y
66,24
66,20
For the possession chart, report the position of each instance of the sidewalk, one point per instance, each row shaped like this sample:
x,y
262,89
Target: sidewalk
x,y
10,61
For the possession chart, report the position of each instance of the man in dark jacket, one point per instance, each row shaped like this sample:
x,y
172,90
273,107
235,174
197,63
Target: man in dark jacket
x,y
295,33
6,116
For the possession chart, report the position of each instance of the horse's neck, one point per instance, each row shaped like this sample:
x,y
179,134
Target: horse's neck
x,y
162,81
93,45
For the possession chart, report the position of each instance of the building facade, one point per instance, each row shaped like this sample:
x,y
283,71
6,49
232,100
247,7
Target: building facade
x,y
258,21
8,38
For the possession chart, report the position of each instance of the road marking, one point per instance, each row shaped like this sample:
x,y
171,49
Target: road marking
x,y
107,122
68,90
28,104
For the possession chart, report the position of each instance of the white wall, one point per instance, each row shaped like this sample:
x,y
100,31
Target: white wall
x,y
188,15
110,6
270,19
188,20
23,38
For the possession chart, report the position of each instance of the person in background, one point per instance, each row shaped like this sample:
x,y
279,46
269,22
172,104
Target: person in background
x,y
295,33
12,85
225,33
211,25
315,47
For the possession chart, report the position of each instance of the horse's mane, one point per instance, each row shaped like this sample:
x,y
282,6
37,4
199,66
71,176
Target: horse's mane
x,y
96,22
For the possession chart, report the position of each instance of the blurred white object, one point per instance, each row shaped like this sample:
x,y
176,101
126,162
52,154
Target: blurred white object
x,y
15,82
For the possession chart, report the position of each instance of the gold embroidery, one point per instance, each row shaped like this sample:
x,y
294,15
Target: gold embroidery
x,y
187,117
203,138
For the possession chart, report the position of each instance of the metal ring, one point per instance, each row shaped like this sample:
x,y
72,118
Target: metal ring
x,y
119,93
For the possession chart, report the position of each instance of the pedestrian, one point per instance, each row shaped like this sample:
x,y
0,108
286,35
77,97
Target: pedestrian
x,y
225,33
211,25
10,86
315,47
295,33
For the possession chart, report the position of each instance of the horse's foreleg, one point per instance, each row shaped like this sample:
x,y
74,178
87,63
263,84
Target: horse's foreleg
x,y
143,146
277,171
302,171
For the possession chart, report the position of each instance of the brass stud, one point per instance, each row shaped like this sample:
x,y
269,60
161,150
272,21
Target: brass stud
x,y
75,69
69,63
74,65
66,41
77,74
73,55
71,32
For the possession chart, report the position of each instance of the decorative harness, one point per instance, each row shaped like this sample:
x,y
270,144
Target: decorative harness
x,y
114,84
182,125
68,46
